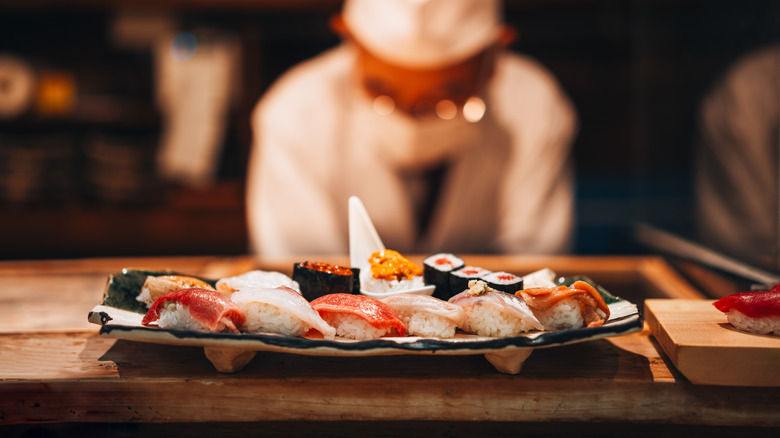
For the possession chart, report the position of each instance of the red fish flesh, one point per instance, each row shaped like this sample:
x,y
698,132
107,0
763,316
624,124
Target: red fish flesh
x,y
758,304
375,312
208,307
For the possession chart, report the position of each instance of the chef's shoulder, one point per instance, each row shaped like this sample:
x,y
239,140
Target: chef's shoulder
x,y
522,78
302,92
529,96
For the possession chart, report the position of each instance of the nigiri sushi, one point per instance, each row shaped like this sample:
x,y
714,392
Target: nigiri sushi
x,y
156,286
256,279
358,317
754,312
428,316
279,310
195,309
389,271
494,313
566,307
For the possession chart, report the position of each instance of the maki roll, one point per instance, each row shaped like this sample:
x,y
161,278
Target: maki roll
x,y
358,317
459,279
504,281
195,309
317,279
436,271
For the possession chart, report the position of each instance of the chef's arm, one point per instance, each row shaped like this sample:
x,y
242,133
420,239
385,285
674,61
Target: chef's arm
x,y
288,207
538,217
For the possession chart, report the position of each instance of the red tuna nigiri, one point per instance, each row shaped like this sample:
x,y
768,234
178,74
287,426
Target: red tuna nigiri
x,y
207,307
753,304
375,312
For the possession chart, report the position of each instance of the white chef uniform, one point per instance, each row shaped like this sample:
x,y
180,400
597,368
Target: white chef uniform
x,y
507,186
509,191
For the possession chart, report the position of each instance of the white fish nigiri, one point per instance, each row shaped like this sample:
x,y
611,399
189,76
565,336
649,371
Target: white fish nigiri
x,y
256,279
425,315
494,313
279,310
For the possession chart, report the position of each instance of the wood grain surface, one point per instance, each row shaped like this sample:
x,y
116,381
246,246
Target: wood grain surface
x,y
55,368
708,350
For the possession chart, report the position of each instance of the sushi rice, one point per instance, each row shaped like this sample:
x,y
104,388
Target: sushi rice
x,y
428,325
565,314
376,285
486,321
764,326
262,317
177,316
352,326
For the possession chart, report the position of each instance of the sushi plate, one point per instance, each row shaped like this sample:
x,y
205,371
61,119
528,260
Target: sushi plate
x,y
120,314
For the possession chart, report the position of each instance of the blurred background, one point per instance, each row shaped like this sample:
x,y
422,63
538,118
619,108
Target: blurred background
x,y
94,94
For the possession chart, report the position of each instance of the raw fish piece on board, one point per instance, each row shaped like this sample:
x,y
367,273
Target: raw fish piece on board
x,y
754,312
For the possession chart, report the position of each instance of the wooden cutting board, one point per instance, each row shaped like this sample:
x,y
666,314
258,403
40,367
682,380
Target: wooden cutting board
x,y
707,349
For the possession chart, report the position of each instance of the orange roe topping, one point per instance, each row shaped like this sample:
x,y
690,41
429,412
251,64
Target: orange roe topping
x,y
327,268
391,265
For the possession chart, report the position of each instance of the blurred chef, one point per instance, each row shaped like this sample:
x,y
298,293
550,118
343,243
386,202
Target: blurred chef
x,y
737,185
451,142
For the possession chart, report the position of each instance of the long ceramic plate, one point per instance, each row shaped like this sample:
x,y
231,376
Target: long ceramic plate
x,y
120,314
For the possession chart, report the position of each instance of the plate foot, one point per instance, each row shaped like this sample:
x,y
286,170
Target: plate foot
x,y
509,362
228,360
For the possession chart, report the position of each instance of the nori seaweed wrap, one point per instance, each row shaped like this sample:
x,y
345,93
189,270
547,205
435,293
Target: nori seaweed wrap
x,y
317,279
504,281
459,279
436,271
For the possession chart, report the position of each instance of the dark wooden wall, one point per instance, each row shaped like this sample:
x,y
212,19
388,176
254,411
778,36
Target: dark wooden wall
x,y
636,71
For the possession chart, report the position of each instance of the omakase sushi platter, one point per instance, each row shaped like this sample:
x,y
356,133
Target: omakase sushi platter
x,y
120,316
382,305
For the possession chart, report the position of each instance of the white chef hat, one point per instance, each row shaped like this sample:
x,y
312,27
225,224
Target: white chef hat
x,y
423,33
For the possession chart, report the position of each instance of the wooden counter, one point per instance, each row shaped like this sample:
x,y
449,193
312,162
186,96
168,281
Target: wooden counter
x,y
54,368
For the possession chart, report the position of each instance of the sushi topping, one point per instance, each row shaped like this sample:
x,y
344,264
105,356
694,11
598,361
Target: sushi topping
x,y
208,307
375,312
391,265
327,268
590,300
478,287
156,286
757,304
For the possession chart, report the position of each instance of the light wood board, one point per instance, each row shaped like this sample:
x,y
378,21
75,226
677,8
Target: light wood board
x,y
708,350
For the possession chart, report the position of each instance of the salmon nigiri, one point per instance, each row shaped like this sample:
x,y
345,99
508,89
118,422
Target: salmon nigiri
x,y
358,316
566,307
195,309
